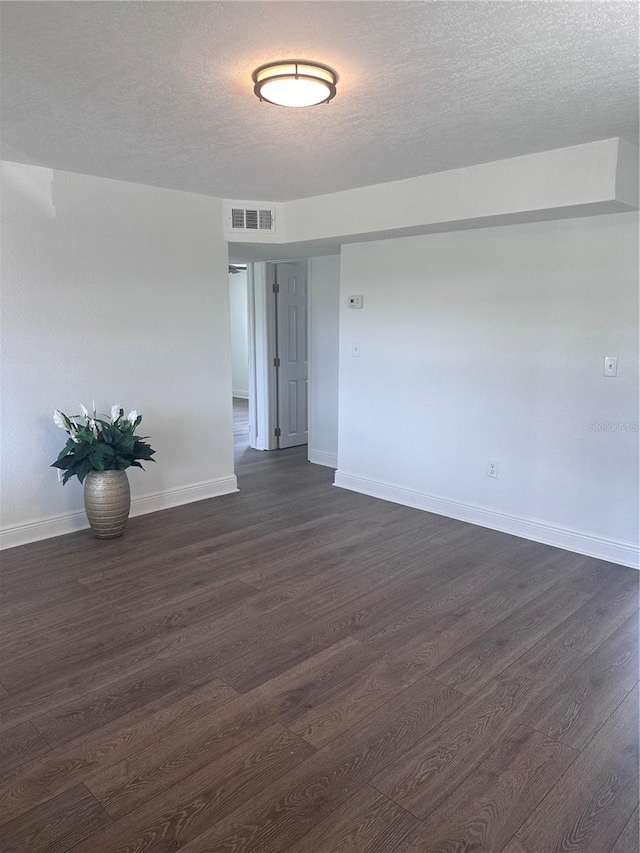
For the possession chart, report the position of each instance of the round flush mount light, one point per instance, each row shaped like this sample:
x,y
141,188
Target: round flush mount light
x,y
295,83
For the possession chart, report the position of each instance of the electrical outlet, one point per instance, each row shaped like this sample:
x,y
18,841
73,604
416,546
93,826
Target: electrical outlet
x,y
492,468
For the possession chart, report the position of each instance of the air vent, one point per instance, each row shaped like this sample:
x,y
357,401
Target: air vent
x,y
237,217
250,217
266,220
248,221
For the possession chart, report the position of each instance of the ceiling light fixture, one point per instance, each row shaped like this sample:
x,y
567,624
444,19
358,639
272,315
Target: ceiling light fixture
x,y
295,83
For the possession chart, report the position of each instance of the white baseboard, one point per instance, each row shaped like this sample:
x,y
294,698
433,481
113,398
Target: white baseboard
x,y
58,525
243,395
319,457
538,531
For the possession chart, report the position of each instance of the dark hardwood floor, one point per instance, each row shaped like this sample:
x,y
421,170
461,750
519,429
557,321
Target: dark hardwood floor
x,y
299,668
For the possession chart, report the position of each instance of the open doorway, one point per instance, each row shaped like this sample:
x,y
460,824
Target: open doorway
x,y
269,354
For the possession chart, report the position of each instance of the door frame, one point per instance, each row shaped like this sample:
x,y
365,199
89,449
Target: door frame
x,y
262,373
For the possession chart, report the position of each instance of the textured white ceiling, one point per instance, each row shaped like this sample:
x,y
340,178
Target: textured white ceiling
x,y
160,92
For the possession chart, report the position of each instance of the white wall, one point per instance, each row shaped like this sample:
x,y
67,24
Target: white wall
x,y
239,334
324,325
582,180
118,292
489,344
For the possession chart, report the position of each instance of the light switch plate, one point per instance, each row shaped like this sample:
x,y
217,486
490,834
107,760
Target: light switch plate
x,y
356,301
610,365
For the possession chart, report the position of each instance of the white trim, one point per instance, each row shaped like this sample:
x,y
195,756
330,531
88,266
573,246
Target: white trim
x,y
262,371
539,531
271,323
58,525
242,395
313,455
252,366
319,457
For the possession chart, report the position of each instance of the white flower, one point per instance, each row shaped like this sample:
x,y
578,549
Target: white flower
x,y
132,416
84,410
58,420
115,412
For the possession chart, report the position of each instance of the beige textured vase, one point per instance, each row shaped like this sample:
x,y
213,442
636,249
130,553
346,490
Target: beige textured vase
x,y
107,501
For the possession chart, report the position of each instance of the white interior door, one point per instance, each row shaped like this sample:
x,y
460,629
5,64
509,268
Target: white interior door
x,y
292,357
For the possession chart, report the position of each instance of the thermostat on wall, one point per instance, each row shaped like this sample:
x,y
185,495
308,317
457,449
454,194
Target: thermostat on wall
x,y
355,301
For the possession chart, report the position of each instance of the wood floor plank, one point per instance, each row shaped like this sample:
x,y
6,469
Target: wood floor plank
x,y
35,597
377,682
158,623
484,658
281,816
421,780
181,813
496,798
169,673
366,823
146,593
47,655
591,694
313,635
237,629
126,784
54,691
629,839
42,778
590,805
504,595
69,657
55,826
19,744
53,622
418,618
595,576
358,697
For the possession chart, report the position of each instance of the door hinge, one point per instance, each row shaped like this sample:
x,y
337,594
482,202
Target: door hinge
x,y
276,287
276,362
278,432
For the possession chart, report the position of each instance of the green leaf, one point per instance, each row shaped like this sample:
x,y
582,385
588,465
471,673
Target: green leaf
x,y
97,462
82,451
66,449
64,464
83,469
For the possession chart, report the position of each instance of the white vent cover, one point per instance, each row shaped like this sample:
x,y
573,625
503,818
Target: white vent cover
x,y
251,219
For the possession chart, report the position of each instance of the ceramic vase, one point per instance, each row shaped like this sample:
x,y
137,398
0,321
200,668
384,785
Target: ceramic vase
x,y
107,501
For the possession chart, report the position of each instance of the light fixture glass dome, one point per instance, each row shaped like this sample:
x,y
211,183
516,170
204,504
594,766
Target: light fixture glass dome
x,y
295,84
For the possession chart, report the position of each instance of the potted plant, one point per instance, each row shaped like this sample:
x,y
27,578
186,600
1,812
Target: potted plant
x,y
98,452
